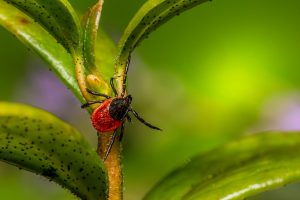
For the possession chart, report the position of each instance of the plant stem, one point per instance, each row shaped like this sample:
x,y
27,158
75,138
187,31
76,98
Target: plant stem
x,y
113,164
113,161
83,70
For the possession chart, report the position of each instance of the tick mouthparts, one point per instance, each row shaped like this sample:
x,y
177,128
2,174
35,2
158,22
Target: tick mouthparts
x,y
129,98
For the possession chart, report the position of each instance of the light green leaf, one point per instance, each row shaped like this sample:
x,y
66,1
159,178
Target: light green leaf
x,y
37,38
91,24
150,16
104,60
235,171
96,53
56,16
106,51
39,142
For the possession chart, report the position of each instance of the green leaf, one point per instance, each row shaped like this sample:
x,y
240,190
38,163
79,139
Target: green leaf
x,y
235,171
96,53
37,141
106,51
150,16
91,23
35,37
104,60
56,16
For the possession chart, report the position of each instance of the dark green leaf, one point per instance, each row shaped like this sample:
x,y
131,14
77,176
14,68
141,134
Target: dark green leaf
x,y
150,16
56,16
39,142
235,171
37,38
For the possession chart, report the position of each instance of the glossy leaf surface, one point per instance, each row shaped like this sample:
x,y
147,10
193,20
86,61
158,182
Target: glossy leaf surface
x,y
90,74
41,42
91,24
235,171
37,141
56,16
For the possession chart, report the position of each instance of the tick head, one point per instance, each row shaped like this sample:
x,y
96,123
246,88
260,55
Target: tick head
x,y
128,99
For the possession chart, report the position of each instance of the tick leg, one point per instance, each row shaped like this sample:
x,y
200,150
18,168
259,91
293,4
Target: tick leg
x,y
97,94
122,132
125,76
112,85
112,140
128,118
90,103
143,121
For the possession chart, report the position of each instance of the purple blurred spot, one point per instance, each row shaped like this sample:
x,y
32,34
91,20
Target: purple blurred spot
x,y
281,113
41,88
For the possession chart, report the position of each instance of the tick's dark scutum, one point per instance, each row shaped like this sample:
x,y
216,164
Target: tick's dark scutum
x,y
119,107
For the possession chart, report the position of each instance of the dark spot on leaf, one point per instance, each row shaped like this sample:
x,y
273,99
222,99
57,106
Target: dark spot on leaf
x,y
49,172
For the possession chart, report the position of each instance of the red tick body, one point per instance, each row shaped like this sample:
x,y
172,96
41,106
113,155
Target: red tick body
x,y
102,119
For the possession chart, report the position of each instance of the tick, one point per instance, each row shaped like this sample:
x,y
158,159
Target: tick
x,y
112,112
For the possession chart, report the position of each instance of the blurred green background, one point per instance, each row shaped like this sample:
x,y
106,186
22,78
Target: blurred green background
x,y
220,70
